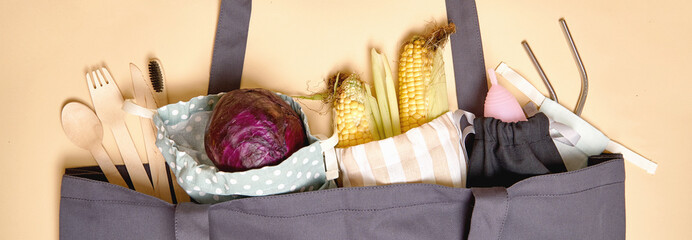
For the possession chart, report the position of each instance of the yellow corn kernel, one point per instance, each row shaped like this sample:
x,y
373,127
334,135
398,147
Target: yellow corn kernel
x,y
419,58
411,66
353,121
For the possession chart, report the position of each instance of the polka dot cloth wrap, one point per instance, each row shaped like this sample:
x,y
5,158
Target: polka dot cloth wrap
x,y
180,138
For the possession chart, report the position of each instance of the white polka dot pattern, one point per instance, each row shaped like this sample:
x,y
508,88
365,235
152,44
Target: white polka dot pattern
x,y
181,127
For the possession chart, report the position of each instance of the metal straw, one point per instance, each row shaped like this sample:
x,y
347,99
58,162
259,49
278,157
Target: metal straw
x,y
582,70
553,96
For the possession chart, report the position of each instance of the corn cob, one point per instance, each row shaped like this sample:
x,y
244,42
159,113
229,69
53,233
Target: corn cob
x,y
422,86
355,123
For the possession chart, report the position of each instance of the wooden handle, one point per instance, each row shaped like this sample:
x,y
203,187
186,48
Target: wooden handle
x,y
161,98
107,166
157,164
133,163
180,194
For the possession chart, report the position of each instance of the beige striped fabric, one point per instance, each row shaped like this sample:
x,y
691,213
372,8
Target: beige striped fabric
x,y
431,153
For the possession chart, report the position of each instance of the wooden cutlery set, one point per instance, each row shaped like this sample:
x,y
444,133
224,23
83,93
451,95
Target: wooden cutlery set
x,y
84,128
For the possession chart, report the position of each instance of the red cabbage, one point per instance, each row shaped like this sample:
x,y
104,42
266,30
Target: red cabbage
x,y
252,128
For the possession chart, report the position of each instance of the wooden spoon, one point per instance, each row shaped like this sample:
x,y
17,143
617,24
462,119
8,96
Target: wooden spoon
x,y
84,129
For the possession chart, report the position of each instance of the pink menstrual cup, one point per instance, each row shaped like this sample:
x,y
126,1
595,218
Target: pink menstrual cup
x,y
500,103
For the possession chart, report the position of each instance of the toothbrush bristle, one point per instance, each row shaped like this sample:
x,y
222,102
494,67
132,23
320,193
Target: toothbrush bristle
x,y
156,75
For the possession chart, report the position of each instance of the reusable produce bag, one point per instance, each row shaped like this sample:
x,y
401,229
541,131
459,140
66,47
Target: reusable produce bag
x,y
583,204
430,153
180,137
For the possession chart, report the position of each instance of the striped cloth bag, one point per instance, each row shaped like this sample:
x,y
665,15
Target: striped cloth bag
x,y
431,153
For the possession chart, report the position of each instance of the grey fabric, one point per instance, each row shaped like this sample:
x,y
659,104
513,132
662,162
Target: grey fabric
x,y
467,54
97,210
603,157
192,221
489,211
583,204
229,46
406,211
505,153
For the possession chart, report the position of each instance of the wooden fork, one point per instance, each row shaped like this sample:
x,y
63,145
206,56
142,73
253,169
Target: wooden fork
x,y
108,102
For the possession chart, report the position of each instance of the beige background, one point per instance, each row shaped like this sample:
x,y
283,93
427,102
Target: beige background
x,y
634,52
